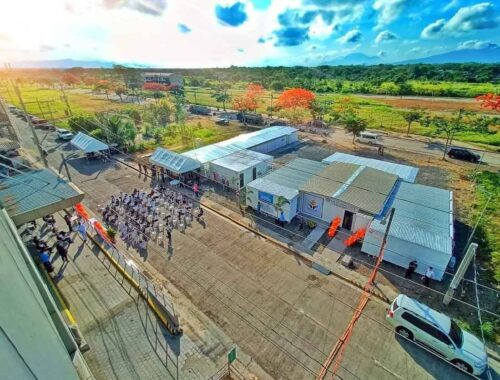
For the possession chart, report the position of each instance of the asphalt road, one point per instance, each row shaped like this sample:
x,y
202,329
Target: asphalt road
x,y
422,145
280,312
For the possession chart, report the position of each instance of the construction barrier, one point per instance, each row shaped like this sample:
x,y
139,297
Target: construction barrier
x,y
332,230
355,237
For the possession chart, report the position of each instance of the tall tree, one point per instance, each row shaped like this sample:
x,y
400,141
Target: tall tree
x,y
119,89
354,124
249,101
70,79
410,117
296,97
490,101
221,94
118,129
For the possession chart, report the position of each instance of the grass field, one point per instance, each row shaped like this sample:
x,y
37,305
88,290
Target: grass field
x,y
381,113
49,103
199,131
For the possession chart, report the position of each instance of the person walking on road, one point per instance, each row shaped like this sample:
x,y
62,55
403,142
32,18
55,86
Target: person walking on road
x,y
411,269
428,276
82,230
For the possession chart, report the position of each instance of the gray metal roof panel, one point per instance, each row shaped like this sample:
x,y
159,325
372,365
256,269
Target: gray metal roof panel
x,y
33,190
87,143
242,160
423,215
173,161
405,172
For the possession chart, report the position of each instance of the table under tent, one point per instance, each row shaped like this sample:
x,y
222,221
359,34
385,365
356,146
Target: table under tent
x,y
92,147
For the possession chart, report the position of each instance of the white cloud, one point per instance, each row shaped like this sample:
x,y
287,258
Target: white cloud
x,y
452,4
388,10
476,44
467,19
351,36
385,36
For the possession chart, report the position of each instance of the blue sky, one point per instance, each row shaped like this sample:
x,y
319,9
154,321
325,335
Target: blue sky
x,y
208,33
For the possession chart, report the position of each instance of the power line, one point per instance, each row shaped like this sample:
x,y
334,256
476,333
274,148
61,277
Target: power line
x,y
388,250
328,293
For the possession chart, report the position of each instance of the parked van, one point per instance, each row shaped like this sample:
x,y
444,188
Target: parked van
x,y
370,138
438,333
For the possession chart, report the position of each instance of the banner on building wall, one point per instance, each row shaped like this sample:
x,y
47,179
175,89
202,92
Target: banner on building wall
x,y
265,197
312,205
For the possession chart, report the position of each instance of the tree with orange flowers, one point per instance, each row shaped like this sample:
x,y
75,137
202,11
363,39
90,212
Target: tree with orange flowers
x,y
249,101
490,101
70,79
296,97
295,104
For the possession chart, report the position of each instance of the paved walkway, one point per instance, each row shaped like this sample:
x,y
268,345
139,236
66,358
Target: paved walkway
x,y
126,340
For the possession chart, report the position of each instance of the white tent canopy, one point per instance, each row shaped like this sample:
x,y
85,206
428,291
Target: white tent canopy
x,y
87,143
173,161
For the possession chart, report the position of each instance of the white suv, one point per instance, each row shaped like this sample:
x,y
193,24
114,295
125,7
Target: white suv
x,y
438,333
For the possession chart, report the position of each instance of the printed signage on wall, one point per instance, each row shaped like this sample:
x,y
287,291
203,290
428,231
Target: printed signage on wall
x,y
312,205
265,197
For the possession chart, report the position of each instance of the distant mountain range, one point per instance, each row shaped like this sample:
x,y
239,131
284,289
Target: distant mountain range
x,y
485,55
69,63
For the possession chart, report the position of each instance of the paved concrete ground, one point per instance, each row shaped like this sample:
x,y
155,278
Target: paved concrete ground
x,y
126,340
280,312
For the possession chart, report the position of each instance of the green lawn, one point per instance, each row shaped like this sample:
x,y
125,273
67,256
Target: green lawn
x,y
379,115
48,103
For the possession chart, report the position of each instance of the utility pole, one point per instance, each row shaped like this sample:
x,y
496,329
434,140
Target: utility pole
x,y
30,125
68,174
69,112
459,274
10,127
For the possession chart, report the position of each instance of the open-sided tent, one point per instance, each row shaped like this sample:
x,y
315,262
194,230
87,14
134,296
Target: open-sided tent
x,y
173,162
87,143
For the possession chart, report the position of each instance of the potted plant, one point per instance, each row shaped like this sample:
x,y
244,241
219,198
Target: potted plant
x,y
111,234
311,224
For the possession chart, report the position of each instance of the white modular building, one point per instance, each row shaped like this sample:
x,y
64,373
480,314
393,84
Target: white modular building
x,y
280,188
239,168
265,140
422,229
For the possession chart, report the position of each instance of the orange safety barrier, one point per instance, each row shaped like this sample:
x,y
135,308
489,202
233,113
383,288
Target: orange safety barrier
x,y
80,210
358,235
101,231
333,227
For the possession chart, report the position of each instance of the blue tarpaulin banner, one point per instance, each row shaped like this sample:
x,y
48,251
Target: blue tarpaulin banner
x,y
265,197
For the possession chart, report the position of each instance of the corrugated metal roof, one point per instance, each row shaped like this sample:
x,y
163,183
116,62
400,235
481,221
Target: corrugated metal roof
x,y
287,180
239,161
330,180
87,143
173,161
34,190
369,190
362,187
405,172
423,215
244,141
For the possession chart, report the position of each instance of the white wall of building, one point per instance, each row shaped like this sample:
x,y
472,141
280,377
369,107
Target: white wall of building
x,y
233,177
331,208
401,252
289,210
275,144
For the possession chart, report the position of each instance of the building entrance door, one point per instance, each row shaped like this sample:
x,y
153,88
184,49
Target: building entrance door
x,y
347,221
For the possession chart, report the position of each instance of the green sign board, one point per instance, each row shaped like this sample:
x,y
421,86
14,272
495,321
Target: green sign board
x,y
231,357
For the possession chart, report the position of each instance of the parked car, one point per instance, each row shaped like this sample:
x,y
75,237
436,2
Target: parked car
x,y
36,121
221,121
45,126
370,138
278,123
250,118
199,110
438,333
463,154
64,134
